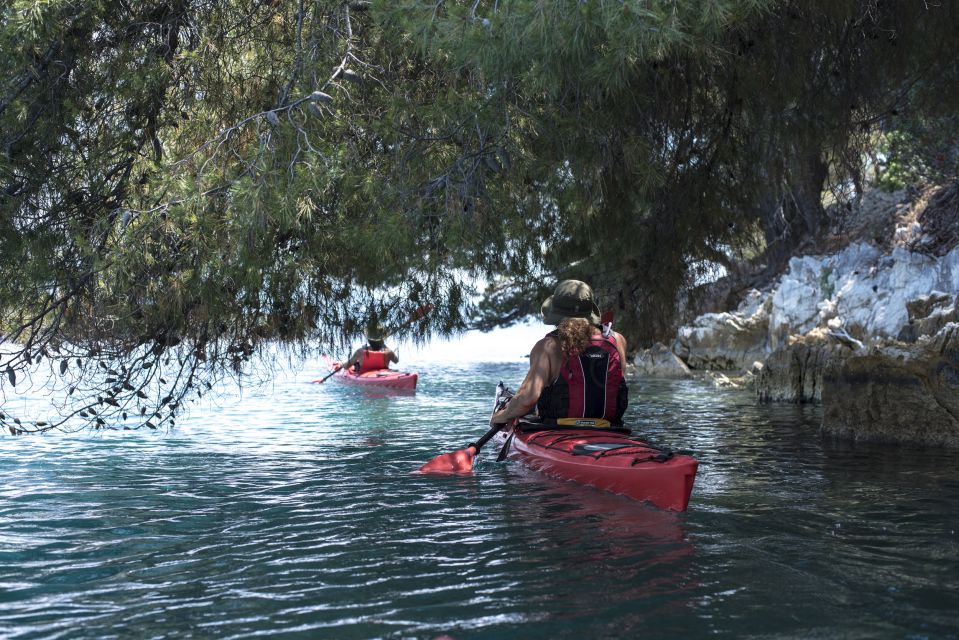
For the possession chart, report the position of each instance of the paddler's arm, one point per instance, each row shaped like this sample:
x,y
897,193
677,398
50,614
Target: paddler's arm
x,y
621,346
356,357
544,352
391,356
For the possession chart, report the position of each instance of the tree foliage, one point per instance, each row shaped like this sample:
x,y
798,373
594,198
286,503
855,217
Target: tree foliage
x,y
187,181
184,182
667,136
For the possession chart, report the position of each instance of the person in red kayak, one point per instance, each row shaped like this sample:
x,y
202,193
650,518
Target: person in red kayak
x,y
575,371
373,355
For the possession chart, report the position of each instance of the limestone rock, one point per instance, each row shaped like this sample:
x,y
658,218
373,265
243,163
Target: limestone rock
x,y
868,289
928,315
860,293
725,341
923,306
659,362
896,392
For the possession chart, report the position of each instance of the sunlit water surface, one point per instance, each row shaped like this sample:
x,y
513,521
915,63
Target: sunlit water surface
x,y
291,510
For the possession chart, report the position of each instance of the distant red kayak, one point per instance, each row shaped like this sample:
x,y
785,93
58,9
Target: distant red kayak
x,y
387,378
607,460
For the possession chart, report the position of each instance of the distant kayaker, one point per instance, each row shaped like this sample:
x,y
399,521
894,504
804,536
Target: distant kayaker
x,y
373,355
575,371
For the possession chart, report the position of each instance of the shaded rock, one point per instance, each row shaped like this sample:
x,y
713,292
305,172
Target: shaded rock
x,y
896,392
923,306
659,362
939,221
928,315
794,373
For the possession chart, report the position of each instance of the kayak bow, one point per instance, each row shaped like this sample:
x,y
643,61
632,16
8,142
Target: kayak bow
x,y
387,378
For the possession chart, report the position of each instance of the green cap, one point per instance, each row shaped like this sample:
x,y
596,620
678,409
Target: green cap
x,y
570,299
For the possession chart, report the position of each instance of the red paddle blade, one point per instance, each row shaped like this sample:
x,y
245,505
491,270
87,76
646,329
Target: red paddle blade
x,y
421,311
460,461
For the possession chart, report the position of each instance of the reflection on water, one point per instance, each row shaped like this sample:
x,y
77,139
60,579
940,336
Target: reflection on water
x,y
291,509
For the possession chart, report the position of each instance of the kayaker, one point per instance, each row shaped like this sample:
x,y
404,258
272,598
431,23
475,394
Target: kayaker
x,y
374,355
575,371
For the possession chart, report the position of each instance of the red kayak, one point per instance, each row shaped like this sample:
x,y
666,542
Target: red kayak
x,y
605,459
585,450
387,378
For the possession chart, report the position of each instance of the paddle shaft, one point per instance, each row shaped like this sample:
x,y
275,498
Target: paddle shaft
x,y
416,315
486,437
329,375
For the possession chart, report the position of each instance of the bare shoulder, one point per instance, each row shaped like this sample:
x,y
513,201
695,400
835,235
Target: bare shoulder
x,y
620,345
547,345
620,340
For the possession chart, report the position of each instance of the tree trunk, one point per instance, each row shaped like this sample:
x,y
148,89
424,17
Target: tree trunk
x,y
793,212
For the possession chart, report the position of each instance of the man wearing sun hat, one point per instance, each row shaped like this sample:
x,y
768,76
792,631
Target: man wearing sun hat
x,y
576,370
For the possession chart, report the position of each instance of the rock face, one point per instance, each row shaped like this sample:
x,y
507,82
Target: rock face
x,y
870,331
794,373
726,341
896,392
929,314
659,362
859,289
866,289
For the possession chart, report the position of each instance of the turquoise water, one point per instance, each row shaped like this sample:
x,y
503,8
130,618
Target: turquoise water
x,y
290,510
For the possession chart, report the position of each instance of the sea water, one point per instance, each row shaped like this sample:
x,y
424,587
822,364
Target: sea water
x,y
290,509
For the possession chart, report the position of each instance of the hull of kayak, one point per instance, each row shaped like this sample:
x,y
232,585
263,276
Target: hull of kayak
x,y
380,378
609,461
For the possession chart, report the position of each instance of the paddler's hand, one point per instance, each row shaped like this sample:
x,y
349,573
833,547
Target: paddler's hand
x,y
500,421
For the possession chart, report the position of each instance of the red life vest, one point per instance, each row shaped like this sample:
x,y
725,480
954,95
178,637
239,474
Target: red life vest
x,y
373,360
590,384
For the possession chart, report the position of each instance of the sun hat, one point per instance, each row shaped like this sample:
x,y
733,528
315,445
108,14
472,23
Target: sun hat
x,y
374,332
570,299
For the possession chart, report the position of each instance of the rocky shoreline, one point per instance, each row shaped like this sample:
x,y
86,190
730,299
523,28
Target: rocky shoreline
x,y
870,330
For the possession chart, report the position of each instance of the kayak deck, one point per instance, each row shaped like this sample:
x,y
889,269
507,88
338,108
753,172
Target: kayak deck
x,y
608,460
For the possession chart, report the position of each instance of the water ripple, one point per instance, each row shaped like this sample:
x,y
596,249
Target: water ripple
x,y
293,511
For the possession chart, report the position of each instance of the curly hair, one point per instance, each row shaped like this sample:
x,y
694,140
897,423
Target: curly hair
x,y
574,335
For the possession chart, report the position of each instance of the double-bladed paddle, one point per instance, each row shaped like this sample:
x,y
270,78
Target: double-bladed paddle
x,y
336,368
461,460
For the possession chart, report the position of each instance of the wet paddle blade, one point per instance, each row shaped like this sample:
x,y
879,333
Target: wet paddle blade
x,y
459,461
